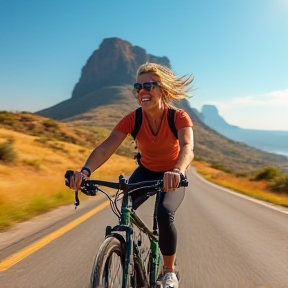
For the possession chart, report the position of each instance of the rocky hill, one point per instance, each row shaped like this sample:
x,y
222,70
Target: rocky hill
x,y
106,80
104,94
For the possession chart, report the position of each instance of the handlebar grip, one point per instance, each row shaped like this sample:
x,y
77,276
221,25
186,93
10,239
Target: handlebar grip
x,y
184,182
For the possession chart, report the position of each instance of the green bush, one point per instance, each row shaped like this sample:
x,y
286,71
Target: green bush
x,y
7,152
267,173
279,184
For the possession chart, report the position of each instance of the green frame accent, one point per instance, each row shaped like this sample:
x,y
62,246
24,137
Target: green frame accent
x,y
128,219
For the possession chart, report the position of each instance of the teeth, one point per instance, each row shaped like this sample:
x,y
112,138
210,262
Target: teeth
x,y
145,99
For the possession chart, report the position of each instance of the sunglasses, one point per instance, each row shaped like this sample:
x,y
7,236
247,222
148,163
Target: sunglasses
x,y
148,86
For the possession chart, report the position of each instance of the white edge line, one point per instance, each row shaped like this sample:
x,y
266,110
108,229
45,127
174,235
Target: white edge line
x,y
261,202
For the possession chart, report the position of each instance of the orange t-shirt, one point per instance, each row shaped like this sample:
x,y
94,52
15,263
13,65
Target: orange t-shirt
x,y
160,152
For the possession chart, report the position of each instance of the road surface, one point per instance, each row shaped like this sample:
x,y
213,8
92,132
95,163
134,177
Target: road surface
x,y
225,240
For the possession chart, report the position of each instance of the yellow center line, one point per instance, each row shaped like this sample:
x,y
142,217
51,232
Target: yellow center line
x,y
17,257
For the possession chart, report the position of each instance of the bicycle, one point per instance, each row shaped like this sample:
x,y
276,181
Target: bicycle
x,y
120,260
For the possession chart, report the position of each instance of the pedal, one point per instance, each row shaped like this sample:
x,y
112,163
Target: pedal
x,y
178,275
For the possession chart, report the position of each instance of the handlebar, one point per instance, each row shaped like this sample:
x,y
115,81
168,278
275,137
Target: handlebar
x,y
90,187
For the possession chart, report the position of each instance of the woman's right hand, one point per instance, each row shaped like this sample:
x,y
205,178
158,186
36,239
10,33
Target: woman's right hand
x,y
74,180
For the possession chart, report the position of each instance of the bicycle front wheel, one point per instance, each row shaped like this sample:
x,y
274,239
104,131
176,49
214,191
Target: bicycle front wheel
x,y
108,268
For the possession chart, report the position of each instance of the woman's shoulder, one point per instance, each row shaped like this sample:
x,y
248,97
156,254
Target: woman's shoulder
x,y
181,113
127,123
181,116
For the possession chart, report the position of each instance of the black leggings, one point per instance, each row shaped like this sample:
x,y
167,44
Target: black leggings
x,y
168,204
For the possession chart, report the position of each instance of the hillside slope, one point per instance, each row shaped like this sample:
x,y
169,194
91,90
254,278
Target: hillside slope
x,y
32,181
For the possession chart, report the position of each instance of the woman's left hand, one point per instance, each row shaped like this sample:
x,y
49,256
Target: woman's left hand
x,y
171,181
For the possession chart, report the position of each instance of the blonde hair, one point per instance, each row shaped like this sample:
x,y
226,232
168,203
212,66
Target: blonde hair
x,y
173,87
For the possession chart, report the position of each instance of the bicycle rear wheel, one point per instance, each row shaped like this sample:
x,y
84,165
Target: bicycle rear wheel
x,y
108,266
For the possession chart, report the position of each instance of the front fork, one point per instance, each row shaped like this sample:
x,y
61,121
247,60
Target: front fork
x,y
128,248
154,263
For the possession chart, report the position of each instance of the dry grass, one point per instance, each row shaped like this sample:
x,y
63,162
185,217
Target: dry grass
x,y
34,182
244,185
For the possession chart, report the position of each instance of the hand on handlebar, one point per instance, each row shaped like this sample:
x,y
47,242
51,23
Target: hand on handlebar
x,y
171,181
73,179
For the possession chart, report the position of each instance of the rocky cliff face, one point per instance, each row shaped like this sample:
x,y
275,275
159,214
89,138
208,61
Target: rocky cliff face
x,y
114,63
106,80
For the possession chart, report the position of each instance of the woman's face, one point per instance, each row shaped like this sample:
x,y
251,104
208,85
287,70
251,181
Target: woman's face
x,y
153,98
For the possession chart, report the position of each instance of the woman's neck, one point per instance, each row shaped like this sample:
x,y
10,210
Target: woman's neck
x,y
155,113
155,119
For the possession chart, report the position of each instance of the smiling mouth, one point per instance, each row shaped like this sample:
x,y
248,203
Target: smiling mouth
x,y
145,99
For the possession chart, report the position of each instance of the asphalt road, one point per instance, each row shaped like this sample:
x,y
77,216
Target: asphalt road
x,y
225,240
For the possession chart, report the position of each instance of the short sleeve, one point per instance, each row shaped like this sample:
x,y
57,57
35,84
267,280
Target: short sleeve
x,y
127,123
182,119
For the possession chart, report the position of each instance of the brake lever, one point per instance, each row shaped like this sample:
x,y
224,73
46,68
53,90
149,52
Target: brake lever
x,y
76,201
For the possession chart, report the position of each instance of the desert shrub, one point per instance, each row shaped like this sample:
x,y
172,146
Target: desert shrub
x,y
6,118
198,158
279,184
7,152
242,174
57,146
49,123
267,173
26,117
30,126
42,139
218,166
35,163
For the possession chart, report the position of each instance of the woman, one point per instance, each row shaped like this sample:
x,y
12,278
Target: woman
x,y
162,155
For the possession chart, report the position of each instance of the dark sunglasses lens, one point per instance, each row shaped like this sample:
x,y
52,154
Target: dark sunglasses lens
x,y
137,87
147,86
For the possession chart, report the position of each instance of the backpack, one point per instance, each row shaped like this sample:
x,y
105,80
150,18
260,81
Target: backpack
x,y
138,122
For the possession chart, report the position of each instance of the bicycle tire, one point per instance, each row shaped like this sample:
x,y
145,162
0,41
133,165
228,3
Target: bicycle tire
x,y
139,277
108,266
102,268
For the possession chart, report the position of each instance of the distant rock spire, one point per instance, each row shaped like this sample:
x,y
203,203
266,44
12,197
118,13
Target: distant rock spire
x,y
114,63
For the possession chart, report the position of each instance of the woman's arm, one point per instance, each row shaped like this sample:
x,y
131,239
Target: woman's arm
x,y
186,154
98,157
105,150
172,178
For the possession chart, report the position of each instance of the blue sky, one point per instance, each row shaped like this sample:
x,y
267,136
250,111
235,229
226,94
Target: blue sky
x,y
237,50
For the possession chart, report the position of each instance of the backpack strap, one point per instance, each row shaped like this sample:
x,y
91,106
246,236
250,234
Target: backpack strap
x,y
138,122
171,122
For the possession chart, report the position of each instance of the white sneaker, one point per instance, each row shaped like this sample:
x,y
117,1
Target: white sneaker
x,y
170,280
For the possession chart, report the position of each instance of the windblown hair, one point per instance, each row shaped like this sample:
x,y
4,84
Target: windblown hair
x,y
173,87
